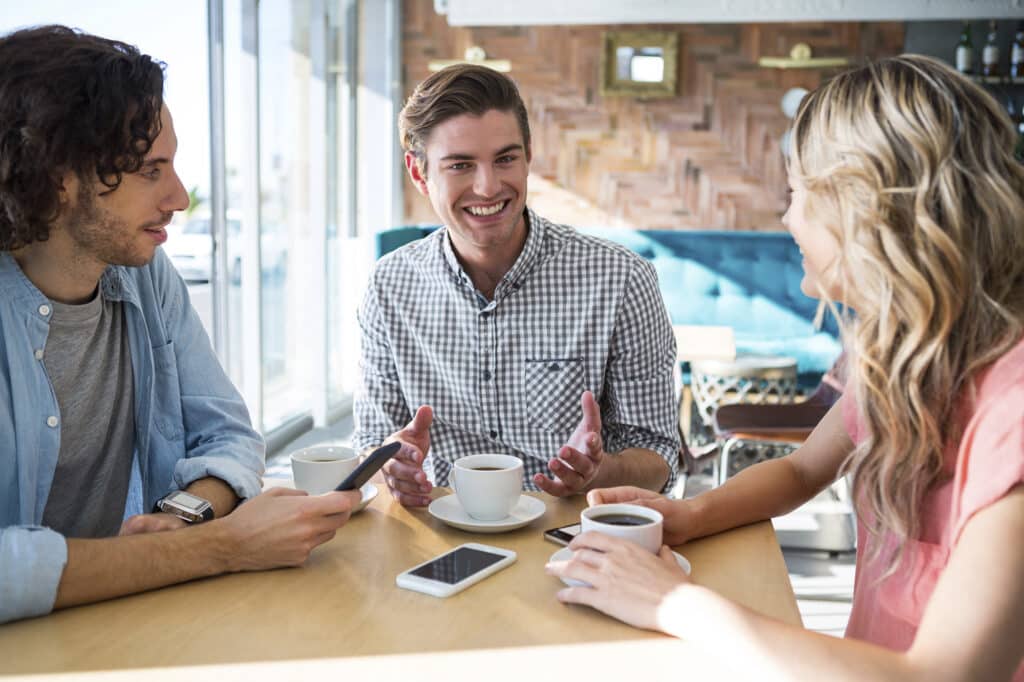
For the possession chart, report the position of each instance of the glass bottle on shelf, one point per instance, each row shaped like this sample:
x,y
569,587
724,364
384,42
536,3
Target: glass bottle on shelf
x,y
1017,53
990,54
965,51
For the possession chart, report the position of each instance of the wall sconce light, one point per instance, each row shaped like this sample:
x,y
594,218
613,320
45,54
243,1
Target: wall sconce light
x,y
800,58
474,55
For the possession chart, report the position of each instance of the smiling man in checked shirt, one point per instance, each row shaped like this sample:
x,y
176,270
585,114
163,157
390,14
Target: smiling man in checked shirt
x,y
503,332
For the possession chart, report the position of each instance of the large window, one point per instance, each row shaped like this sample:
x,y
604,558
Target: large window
x,y
270,246
290,90
288,225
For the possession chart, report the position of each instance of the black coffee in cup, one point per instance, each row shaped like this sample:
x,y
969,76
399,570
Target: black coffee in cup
x,y
487,469
622,519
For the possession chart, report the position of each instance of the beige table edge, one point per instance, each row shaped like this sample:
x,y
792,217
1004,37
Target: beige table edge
x,y
342,612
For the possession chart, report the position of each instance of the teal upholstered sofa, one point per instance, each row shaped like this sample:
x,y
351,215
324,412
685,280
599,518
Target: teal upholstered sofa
x,y
749,281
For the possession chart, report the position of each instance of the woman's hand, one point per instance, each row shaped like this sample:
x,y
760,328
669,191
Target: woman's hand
x,y
679,526
626,581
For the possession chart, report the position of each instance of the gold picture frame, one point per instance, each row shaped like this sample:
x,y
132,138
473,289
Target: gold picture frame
x,y
639,64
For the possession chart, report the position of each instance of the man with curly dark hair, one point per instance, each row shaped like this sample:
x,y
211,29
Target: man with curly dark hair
x,y
112,402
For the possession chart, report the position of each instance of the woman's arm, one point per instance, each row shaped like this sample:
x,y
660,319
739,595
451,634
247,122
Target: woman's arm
x,y
775,487
970,630
760,492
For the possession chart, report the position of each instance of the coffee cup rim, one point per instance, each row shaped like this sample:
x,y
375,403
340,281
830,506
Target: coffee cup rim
x,y
305,455
653,515
462,464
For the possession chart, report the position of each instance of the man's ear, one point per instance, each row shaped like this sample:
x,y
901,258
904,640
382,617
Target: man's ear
x,y
417,173
68,191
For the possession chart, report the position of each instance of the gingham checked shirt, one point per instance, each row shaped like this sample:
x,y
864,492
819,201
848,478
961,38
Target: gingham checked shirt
x,y
573,313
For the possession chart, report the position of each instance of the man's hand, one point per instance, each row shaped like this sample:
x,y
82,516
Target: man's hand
x,y
404,472
282,526
151,523
580,459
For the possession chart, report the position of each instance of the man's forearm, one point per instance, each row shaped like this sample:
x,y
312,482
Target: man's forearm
x,y
632,466
220,495
105,568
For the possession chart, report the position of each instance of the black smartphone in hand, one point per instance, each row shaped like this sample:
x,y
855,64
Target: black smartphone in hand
x,y
369,466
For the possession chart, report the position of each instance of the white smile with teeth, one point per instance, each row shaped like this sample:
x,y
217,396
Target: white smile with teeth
x,y
486,210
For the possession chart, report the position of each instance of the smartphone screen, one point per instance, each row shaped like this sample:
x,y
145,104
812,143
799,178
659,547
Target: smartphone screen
x,y
456,566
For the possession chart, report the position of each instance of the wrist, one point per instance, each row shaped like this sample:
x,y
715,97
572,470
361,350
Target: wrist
x,y
219,493
220,546
681,609
605,476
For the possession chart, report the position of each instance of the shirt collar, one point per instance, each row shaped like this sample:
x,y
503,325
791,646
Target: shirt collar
x,y
115,283
536,231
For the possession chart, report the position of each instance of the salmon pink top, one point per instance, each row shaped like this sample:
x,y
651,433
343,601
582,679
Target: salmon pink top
x,y
984,466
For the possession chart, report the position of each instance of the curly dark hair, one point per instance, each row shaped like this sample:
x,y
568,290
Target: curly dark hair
x,y
69,102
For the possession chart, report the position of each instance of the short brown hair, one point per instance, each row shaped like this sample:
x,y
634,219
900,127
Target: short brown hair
x,y
453,91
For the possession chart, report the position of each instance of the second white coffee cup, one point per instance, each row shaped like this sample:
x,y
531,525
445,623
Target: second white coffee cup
x,y
321,468
627,521
488,486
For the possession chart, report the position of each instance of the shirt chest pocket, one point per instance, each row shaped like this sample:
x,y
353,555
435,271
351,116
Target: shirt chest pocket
x,y
553,388
167,394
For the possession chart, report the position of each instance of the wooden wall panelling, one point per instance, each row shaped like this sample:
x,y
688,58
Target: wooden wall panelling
x,y
706,159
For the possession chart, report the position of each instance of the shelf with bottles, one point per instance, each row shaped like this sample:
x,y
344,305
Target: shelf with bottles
x,y
991,69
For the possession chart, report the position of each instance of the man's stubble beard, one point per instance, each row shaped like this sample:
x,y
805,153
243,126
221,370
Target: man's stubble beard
x,y
99,235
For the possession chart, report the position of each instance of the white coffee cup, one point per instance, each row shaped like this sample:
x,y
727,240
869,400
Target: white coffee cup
x,y
610,520
321,468
488,495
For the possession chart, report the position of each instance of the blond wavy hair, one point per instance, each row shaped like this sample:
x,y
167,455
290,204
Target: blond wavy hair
x,y
911,166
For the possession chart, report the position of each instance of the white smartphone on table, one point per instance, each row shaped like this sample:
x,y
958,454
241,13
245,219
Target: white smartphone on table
x,y
456,570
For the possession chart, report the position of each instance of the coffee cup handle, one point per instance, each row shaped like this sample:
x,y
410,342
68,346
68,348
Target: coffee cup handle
x,y
451,480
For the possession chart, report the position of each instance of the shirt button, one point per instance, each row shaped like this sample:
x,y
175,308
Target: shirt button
x,y
494,434
553,367
487,375
39,354
44,310
51,421
484,315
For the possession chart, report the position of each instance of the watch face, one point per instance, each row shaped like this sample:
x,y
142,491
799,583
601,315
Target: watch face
x,y
188,501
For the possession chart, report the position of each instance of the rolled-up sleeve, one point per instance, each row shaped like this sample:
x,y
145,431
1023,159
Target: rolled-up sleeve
x,y
219,438
32,560
639,409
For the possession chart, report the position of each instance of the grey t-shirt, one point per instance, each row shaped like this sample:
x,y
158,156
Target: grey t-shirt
x,y
88,360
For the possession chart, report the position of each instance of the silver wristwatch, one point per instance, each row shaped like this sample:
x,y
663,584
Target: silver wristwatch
x,y
186,506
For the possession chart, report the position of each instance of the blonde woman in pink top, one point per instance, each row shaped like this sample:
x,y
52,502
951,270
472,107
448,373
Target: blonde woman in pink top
x,y
909,208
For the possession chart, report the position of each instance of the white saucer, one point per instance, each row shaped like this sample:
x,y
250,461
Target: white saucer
x,y
368,491
565,554
449,510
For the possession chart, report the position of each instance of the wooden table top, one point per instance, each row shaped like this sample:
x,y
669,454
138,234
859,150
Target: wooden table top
x,y
341,611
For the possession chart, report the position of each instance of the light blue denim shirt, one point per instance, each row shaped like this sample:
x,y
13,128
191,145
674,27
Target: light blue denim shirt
x,y
190,422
